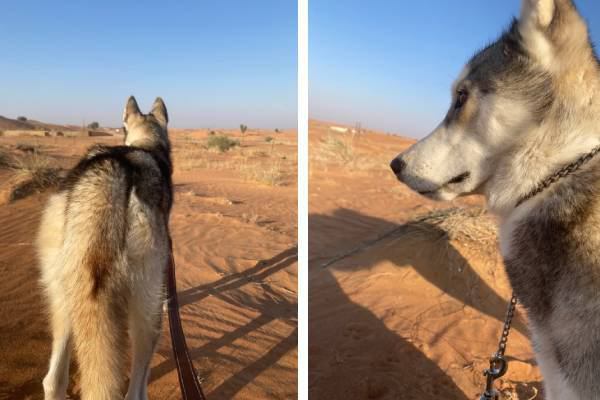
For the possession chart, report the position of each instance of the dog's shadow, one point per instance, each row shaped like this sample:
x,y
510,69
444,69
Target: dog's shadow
x,y
270,308
429,251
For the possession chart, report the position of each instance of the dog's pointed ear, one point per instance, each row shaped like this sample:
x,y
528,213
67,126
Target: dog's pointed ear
x,y
537,14
131,110
549,26
159,110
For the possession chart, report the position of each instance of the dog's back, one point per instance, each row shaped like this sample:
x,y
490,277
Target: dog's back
x,y
103,245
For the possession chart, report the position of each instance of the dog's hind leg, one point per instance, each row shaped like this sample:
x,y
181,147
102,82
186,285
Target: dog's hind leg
x,y
49,244
145,318
57,379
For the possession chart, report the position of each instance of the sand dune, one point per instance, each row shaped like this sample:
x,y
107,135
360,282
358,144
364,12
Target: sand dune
x,y
416,314
234,233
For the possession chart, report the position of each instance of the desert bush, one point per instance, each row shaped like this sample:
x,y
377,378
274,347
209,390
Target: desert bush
x,y
38,181
277,130
333,148
271,174
94,125
5,159
211,133
222,143
243,128
34,173
30,163
22,119
269,139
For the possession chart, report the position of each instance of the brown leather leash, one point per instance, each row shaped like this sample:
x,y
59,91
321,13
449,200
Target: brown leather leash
x,y
188,380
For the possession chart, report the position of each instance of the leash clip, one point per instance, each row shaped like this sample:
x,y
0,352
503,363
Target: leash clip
x,y
497,369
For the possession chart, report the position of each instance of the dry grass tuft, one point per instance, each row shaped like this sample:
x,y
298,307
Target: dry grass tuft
x,y
30,163
33,172
340,149
221,143
37,182
190,157
5,159
335,148
471,224
271,174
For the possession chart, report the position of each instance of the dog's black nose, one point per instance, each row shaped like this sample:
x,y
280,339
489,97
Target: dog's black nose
x,y
397,165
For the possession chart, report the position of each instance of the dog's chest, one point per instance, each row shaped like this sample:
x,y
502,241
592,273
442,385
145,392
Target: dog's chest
x,y
535,252
547,257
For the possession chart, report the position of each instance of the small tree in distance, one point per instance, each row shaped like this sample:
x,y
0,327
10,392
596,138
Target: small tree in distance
x,y
22,119
94,125
243,128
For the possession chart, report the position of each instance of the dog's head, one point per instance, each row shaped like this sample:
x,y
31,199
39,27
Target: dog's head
x,y
146,130
503,92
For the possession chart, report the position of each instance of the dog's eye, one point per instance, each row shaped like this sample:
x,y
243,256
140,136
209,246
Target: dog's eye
x,y
461,98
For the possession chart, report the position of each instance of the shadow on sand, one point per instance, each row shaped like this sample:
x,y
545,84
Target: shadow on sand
x,y
273,307
378,363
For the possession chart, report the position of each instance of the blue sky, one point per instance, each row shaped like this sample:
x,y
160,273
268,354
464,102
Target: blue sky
x,y
389,64
215,63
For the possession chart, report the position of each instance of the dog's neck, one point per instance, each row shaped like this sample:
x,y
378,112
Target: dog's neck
x,y
569,130
547,148
561,173
148,141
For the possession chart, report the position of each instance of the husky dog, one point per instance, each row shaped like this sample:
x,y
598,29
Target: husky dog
x,y
103,246
523,130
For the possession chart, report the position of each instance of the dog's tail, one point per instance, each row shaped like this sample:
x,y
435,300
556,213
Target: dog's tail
x,y
96,231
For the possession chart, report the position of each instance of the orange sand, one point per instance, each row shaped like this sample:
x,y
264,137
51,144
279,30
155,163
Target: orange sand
x,y
415,316
234,243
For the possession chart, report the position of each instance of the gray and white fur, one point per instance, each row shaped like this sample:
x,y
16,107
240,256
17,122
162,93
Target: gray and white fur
x,y
522,108
103,246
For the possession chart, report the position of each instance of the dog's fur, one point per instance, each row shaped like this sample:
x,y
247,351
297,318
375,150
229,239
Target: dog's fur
x,y
523,107
103,246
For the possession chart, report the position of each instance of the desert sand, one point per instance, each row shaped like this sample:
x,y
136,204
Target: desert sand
x,y
417,308
233,226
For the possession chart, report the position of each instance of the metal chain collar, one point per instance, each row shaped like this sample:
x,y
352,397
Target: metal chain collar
x,y
561,173
498,364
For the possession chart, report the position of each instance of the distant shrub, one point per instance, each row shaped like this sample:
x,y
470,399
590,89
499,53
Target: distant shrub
x,y
271,174
94,125
22,119
334,148
221,143
243,128
211,133
277,130
269,139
